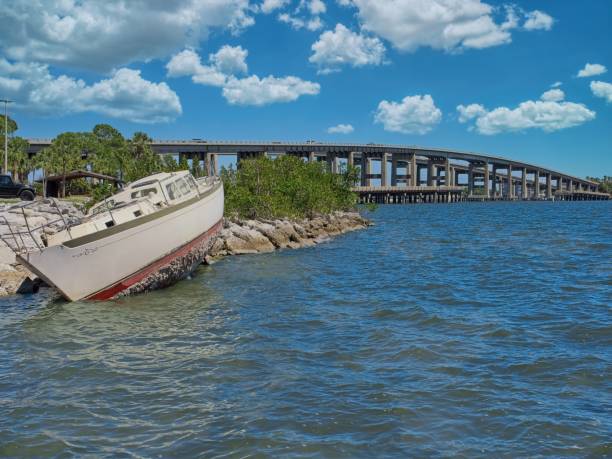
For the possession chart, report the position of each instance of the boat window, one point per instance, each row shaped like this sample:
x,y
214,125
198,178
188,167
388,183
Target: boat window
x,y
182,184
172,191
192,181
143,193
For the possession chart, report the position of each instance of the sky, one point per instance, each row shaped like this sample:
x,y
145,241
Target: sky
x,y
528,80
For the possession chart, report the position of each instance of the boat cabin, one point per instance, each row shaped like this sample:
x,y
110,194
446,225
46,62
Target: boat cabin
x,y
139,198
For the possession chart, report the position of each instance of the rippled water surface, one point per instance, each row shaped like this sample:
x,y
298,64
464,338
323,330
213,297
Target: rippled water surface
x,y
445,330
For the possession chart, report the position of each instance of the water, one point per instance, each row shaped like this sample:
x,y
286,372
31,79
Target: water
x,y
474,330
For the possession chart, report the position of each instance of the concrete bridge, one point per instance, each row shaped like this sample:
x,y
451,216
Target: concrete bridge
x,y
405,173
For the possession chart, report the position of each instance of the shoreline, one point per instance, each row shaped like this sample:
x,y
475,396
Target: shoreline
x,y
237,237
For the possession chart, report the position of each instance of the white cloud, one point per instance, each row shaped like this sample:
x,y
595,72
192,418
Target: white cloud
x,y
602,89
299,18
590,70
466,113
538,20
550,113
316,7
230,60
344,47
448,25
556,84
269,6
225,65
553,95
413,115
262,91
102,35
341,129
124,95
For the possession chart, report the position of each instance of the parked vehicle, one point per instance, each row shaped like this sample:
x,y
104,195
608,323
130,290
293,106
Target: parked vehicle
x,y
10,189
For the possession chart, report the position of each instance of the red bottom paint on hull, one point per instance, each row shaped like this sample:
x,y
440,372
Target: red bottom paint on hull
x,y
128,282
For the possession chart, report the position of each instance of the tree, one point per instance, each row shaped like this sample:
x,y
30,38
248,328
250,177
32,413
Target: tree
x,y
144,161
18,158
65,154
183,164
110,150
12,127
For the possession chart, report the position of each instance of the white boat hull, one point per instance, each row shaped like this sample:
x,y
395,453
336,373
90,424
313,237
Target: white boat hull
x,y
127,259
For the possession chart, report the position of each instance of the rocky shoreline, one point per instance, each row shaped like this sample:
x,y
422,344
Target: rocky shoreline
x,y
238,237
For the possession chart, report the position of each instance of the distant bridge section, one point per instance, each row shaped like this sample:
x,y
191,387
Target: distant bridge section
x,y
406,173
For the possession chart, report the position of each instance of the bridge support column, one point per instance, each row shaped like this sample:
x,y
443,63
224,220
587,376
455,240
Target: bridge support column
x,y
447,173
571,186
393,170
332,162
383,170
350,159
211,164
524,184
311,157
364,170
471,179
430,172
487,187
536,184
414,172
559,183
494,181
549,185
510,183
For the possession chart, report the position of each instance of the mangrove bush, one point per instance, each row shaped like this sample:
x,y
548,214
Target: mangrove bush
x,y
285,187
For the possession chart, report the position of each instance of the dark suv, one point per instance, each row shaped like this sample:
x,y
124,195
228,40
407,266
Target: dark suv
x,y
10,189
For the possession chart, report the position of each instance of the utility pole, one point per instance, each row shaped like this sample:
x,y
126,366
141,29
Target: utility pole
x,y
6,102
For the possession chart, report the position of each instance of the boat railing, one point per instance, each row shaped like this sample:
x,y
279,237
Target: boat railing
x,y
23,238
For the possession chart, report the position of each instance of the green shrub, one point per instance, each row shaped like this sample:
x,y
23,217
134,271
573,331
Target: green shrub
x,y
286,187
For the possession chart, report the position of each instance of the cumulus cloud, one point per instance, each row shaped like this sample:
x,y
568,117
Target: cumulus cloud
x,y
538,20
341,129
341,46
553,95
590,70
300,18
550,113
269,6
262,91
229,60
102,35
125,94
413,115
221,72
469,112
556,84
602,89
448,25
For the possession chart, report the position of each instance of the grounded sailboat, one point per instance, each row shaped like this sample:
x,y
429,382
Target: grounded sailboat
x,y
153,233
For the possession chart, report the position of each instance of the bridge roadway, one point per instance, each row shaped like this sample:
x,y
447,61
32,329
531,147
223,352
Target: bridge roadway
x,y
414,170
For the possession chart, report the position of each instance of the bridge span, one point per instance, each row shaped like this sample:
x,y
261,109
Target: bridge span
x,y
404,173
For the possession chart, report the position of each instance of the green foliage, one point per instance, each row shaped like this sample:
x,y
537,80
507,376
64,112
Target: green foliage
x,y
143,160
18,159
169,164
11,124
65,154
183,164
605,183
196,168
99,192
285,187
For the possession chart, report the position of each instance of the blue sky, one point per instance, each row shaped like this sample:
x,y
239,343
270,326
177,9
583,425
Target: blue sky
x,y
379,71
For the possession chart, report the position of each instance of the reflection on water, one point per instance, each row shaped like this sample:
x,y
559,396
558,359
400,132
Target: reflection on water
x,y
474,330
